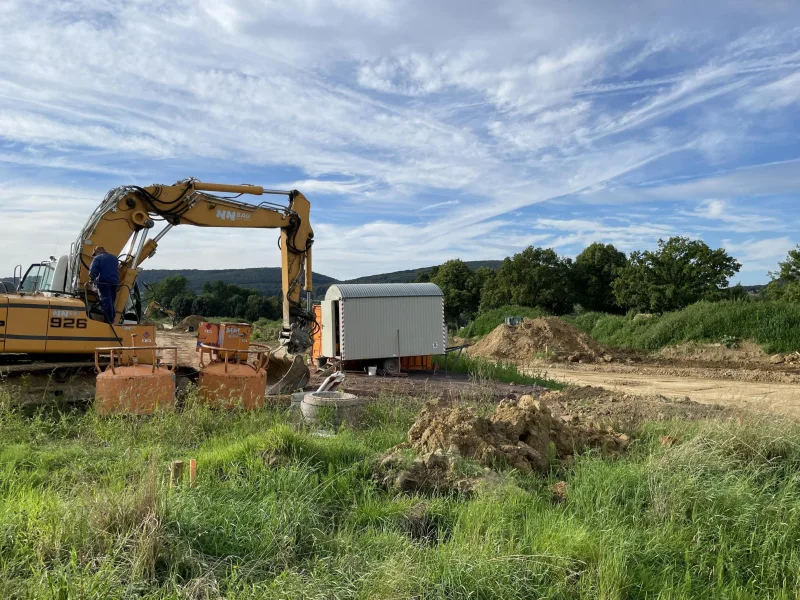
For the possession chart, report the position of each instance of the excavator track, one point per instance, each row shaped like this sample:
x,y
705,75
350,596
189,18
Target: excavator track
x,y
66,383
29,381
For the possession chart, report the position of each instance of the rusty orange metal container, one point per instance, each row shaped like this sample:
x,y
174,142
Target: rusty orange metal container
x,y
229,385
225,336
134,389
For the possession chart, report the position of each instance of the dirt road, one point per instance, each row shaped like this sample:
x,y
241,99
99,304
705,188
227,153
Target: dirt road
x,y
779,398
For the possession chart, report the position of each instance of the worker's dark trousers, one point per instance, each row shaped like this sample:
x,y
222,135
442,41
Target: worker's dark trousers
x,y
108,297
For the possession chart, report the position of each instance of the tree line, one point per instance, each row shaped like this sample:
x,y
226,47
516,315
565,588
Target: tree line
x,y
679,272
216,299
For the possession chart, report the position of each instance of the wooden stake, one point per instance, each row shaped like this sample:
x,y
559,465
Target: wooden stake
x,y
176,473
192,471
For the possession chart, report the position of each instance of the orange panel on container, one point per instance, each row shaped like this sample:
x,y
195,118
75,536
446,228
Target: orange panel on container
x,y
207,333
416,363
316,348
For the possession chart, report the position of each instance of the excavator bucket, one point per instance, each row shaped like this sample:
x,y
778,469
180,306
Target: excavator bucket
x,y
286,373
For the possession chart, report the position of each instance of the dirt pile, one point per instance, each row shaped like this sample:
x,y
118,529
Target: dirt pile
x,y
546,337
600,407
190,323
522,434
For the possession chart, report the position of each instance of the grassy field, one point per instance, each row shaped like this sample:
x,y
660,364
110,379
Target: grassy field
x,y
775,325
481,369
279,512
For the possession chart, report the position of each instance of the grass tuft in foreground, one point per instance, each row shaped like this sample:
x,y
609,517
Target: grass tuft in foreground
x,y
280,512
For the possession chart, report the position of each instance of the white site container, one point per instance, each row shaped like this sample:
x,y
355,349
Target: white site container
x,y
383,320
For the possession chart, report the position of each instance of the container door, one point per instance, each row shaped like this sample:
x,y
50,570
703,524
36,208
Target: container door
x,y
329,328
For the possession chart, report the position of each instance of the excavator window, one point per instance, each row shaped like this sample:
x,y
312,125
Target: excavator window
x,y
133,307
39,277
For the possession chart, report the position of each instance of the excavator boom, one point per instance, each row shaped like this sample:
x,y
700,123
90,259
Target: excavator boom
x,y
123,222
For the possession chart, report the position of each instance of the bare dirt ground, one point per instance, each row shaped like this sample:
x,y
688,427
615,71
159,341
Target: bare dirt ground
x,y
743,378
692,384
418,385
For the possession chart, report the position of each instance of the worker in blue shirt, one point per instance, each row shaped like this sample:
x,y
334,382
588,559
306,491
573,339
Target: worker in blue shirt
x,y
104,271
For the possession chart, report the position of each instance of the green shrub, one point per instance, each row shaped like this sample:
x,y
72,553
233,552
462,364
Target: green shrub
x,y
775,325
481,369
489,320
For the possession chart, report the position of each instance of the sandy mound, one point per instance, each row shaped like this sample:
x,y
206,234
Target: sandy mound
x,y
601,407
190,323
546,337
521,434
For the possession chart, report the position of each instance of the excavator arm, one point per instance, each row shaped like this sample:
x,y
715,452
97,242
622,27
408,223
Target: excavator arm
x,y
124,222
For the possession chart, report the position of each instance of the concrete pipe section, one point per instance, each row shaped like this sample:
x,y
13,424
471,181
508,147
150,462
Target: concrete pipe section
x,y
332,408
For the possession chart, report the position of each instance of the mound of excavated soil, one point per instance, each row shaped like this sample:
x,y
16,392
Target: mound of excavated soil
x,y
546,336
521,434
602,407
192,322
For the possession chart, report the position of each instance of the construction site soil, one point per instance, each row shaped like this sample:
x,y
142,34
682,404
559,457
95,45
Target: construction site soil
x,y
417,385
743,378
547,337
453,447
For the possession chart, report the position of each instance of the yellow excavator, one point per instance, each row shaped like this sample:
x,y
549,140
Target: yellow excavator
x,y
161,308
51,319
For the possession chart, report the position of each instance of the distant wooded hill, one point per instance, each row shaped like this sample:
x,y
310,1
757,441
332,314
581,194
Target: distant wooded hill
x,y
267,280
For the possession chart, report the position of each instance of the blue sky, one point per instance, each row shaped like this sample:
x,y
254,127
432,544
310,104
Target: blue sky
x,y
420,131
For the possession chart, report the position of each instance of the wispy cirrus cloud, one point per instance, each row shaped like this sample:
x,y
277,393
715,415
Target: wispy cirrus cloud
x,y
414,146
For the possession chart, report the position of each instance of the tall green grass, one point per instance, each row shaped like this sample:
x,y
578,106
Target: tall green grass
x,y
279,512
489,320
503,371
775,325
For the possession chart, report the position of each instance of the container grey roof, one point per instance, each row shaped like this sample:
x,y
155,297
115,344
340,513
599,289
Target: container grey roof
x,y
381,290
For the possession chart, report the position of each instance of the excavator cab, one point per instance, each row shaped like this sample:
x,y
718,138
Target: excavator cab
x,y
38,277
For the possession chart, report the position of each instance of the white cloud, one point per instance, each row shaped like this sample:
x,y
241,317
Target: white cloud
x,y
774,96
439,205
373,107
757,254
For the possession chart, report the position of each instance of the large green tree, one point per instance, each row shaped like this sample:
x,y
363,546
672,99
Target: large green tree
x,y
785,282
168,288
461,287
594,271
533,277
679,273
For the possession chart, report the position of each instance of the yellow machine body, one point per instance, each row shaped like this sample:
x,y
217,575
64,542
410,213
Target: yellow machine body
x,y
37,324
55,310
